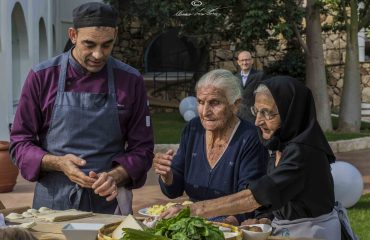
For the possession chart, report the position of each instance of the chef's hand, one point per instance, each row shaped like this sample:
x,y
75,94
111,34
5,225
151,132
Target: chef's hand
x,y
105,185
162,166
69,164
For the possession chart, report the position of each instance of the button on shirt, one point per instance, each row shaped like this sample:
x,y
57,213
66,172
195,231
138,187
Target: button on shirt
x,y
34,111
244,77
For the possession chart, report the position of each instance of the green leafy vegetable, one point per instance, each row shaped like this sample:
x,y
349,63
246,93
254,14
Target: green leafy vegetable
x,y
133,234
181,227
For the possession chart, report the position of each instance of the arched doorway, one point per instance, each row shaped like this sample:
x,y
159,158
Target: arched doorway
x,y
169,53
20,56
172,64
43,42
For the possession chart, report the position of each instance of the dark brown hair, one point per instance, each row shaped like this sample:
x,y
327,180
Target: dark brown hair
x,y
11,233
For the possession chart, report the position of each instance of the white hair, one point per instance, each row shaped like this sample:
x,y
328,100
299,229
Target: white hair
x,y
222,79
263,89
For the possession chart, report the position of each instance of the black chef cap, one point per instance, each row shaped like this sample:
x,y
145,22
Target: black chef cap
x,y
94,14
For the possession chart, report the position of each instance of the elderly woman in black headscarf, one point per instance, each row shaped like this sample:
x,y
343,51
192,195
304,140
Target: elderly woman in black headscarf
x,y
298,187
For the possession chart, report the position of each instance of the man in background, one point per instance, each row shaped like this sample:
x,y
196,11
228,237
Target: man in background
x,y
249,78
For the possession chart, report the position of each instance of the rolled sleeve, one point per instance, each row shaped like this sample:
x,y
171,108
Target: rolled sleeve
x,y
29,168
136,165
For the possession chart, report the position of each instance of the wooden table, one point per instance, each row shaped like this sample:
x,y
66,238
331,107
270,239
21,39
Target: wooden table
x,y
53,231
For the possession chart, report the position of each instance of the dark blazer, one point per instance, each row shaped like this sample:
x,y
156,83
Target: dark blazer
x,y
254,78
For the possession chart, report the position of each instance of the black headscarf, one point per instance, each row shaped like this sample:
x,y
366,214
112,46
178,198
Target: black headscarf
x,y
297,111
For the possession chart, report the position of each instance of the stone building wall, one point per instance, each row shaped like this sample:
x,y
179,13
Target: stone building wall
x,y
133,41
334,53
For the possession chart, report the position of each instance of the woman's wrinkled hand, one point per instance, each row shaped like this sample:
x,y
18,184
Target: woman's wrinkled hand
x,y
172,211
256,221
231,220
162,166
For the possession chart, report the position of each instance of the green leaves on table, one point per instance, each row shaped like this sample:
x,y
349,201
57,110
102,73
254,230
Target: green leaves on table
x,y
181,227
184,226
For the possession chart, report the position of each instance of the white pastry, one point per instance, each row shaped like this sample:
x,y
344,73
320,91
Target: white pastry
x,y
27,214
32,210
59,216
44,209
13,216
27,225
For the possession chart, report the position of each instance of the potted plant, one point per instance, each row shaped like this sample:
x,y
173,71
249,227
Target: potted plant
x,y
8,171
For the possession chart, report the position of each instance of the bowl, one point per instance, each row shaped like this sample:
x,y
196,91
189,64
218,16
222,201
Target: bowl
x,y
234,233
81,231
230,232
251,235
105,233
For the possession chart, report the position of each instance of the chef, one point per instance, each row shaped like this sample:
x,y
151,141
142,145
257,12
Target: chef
x,y
82,129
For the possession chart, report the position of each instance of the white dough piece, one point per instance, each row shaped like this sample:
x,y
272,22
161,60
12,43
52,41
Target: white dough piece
x,y
44,209
27,225
13,216
32,210
59,216
27,214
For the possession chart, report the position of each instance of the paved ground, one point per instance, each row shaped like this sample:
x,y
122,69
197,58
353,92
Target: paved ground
x,y
151,193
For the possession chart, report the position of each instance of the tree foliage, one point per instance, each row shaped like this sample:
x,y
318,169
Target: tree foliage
x,y
244,22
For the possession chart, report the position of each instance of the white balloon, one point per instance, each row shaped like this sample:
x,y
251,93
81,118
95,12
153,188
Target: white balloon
x,y
188,108
188,115
348,183
188,103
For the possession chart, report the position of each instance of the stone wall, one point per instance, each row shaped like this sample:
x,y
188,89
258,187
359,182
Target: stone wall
x,y
133,41
334,53
224,55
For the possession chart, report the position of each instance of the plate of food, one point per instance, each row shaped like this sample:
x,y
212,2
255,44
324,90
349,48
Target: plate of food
x,y
145,212
157,209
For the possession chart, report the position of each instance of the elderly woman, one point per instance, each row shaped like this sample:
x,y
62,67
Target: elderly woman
x,y
219,154
298,187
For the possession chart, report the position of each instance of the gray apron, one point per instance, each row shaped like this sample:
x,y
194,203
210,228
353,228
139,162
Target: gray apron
x,y
86,125
326,226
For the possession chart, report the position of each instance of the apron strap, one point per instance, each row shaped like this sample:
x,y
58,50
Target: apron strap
x,y
111,87
63,72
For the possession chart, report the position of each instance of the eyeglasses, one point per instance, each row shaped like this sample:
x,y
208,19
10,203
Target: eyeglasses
x,y
245,60
268,115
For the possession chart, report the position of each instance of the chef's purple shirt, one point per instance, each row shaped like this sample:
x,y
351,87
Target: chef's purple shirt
x,y
33,116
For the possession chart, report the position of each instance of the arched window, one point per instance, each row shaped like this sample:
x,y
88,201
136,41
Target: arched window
x,y
20,56
43,42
